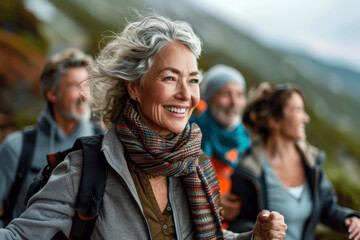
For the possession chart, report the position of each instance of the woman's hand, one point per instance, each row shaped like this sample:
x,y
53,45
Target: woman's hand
x,y
231,205
353,225
269,226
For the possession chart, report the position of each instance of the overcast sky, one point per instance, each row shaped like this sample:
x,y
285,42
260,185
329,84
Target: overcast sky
x,y
329,29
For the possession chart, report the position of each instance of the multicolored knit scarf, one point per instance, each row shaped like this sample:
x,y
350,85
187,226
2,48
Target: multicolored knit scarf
x,y
175,155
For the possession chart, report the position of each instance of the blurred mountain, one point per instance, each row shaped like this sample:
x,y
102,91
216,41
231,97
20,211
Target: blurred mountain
x,y
333,91
339,79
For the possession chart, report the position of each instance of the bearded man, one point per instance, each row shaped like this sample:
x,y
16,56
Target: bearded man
x,y
224,137
65,87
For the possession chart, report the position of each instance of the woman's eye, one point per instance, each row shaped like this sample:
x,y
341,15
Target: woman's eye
x,y
170,78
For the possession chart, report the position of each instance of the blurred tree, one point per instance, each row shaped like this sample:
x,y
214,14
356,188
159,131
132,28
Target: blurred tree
x,y
22,51
14,18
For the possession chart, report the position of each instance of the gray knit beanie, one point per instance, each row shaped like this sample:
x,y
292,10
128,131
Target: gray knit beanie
x,y
217,77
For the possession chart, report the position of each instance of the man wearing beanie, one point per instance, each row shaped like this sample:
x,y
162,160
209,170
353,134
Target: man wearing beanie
x,y
224,137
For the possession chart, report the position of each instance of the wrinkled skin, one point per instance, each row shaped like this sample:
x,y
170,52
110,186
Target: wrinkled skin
x,y
269,226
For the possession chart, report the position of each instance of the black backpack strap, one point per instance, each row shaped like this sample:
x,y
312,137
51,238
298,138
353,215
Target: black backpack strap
x,y
92,187
28,145
43,174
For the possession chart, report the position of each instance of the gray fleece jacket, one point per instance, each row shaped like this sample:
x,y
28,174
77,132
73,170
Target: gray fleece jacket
x,y
49,138
121,217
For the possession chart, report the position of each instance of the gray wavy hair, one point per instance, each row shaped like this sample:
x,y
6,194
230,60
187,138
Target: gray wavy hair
x,y
129,56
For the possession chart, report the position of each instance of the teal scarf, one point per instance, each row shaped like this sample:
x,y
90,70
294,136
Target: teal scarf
x,y
217,141
175,155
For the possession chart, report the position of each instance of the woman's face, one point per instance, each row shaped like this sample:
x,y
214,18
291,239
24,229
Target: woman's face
x,y
170,90
292,126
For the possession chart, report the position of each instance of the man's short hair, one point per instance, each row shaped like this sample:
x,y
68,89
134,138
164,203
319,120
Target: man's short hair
x,y
57,65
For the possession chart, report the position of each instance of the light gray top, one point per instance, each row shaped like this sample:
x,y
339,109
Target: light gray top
x,y
296,208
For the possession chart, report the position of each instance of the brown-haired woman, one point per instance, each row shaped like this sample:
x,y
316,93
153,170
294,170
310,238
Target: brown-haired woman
x,y
283,173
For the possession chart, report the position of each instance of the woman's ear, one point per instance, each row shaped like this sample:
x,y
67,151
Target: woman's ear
x,y
133,88
274,123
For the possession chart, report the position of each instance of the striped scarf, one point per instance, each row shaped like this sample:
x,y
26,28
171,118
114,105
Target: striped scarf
x,y
175,155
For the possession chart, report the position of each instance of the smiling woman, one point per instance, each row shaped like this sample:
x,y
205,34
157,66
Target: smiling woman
x,y
160,184
170,90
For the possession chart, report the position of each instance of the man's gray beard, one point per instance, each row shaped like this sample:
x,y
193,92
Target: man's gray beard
x,y
216,113
84,117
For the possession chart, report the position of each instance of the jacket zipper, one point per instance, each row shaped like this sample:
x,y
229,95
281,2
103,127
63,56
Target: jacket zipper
x,y
172,204
126,184
316,183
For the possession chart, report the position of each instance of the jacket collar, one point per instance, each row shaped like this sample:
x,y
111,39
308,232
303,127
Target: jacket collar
x,y
252,162
114,150
310,153
115,154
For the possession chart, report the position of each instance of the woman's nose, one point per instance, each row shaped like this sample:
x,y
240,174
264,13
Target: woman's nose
x,y
183,91
307,118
